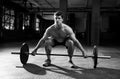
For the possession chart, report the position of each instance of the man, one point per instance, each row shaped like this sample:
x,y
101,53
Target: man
x,y
58,33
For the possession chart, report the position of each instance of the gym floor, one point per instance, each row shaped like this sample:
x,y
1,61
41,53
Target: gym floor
x,y
11,67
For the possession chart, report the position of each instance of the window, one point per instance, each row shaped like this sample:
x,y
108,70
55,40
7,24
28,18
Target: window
x,y
26,21
37,24
8,19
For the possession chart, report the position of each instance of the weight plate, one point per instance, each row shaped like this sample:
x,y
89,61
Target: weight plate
x,y
24,53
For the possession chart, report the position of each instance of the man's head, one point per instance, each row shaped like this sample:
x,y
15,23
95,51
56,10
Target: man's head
x,y
58,17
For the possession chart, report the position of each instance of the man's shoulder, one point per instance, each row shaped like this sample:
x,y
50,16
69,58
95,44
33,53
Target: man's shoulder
x,y
68,29
50,27
67,26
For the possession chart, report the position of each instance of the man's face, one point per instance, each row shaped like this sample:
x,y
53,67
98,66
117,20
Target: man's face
x,y
58,19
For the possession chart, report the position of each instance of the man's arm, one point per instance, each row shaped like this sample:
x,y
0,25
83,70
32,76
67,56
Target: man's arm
x,y
42,40
77,43
75,40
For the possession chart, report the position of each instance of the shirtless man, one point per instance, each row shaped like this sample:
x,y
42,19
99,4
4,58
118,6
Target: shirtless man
x,y
58,33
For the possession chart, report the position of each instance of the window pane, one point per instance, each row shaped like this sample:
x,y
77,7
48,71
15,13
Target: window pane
x,y
37,24
8,19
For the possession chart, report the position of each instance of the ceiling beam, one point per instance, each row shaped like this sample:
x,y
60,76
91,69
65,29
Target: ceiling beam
x,y
82,9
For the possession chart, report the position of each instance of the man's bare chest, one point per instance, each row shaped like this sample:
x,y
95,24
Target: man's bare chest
x,y
61,33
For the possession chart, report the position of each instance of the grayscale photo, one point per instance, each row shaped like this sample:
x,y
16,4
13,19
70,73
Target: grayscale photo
x,y
60,39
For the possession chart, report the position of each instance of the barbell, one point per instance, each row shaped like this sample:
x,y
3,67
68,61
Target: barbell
x,y
24,54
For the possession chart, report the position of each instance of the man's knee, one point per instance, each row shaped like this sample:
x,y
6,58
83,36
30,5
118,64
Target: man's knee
x,y
48,46
48,42
69,43
70,47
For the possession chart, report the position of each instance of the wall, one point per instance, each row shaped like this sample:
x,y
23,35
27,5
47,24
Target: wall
x,y
105,23
80,22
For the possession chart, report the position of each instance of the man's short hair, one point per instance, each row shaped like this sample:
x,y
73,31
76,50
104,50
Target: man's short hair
x,y
58,13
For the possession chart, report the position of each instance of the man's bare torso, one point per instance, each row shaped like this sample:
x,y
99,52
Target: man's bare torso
x,y
58,34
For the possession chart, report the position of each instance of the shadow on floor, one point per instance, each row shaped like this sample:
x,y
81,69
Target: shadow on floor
x,y
35,69
78,73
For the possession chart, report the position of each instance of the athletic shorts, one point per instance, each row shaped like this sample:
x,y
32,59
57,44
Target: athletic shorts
x,y
55,42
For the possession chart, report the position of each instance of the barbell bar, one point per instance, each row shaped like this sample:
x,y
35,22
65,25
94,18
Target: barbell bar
x,y
103,57
24,54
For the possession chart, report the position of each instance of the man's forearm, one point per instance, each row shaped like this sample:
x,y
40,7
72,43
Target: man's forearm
x,y
40,43
79,46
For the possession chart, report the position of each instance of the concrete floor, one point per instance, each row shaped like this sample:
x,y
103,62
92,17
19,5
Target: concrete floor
x,y
11,68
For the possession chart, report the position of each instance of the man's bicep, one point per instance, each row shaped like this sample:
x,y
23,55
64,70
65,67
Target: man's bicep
x,y
71,34
73,37
46,34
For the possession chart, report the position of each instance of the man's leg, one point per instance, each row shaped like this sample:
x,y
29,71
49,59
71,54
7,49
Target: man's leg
x,y
48,49
70,48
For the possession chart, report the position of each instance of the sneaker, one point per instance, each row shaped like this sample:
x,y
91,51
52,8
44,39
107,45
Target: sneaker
x,y
72,64
47,63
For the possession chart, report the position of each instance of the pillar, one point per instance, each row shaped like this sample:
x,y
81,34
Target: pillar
x,y
1,15
32,21
16,20
63,7
19,18
95,25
